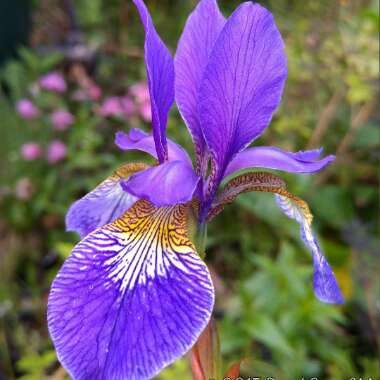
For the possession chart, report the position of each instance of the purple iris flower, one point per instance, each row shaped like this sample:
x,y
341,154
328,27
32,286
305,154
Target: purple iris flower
x,y
134,295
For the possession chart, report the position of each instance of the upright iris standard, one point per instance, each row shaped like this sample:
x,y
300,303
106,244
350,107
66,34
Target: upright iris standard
x,y
134,295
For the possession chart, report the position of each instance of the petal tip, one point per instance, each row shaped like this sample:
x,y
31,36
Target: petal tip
x,y
325,285
324,162
120,136
332,298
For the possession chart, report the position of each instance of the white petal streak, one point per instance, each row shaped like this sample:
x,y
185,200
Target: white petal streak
x,y
145,243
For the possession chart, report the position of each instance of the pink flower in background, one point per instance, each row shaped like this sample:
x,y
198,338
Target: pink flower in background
x,y
145,111
94,92
56,151
127,105
140,91
30,151
111,107
53,81
61,119
122,106
26,109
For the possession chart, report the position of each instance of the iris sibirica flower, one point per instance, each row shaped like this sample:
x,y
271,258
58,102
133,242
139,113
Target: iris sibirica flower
x,y
135,293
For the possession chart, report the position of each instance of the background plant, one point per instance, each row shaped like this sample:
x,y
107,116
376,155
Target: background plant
x,y
265,307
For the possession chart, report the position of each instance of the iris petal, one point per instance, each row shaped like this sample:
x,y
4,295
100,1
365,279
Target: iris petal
x,y
104,204
132,297
170,183
137,139
325,285
199,35
277,159
160,76
244,183
242,83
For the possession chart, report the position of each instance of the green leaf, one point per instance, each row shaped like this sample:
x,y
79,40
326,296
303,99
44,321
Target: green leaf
x,y
266,331
63,249
367,136
333,204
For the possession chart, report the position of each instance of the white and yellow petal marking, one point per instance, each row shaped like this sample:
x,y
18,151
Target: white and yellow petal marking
x,y
134,295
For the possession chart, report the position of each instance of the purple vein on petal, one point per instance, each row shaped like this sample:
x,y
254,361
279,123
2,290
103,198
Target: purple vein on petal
x,y
132,297
242,83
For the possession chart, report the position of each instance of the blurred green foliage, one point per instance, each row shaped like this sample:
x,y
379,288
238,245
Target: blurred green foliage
x,y
265,305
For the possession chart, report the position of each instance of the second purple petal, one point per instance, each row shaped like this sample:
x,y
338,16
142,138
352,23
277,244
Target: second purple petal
x,y
277,159
242,83
198,38
160,76
170,183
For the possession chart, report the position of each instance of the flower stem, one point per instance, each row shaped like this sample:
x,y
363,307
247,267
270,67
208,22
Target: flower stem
x,y
200,239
